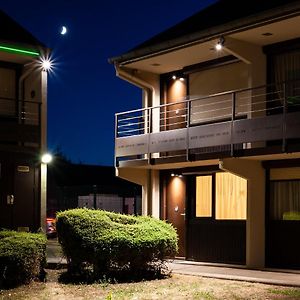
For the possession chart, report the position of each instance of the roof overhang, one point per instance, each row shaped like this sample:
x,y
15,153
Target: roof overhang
x,y
177,59
207,37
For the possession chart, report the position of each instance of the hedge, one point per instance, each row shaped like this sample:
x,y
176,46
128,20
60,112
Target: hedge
x,y
22,257
109,242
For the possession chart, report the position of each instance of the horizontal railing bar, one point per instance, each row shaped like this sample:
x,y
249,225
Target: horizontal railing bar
x,y
173,117
174,110
213,103
212,118
173,124
132,130
259,110
212,110
131,124
260,102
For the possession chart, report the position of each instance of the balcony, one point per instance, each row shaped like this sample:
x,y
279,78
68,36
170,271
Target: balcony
x,y
20,124
261,120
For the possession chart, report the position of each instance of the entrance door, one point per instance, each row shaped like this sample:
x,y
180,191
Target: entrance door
x,y
6,190
216,220
19,205
175,203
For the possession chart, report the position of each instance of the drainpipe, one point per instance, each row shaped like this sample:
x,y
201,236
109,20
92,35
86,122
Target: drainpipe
x,y
150,94
129,76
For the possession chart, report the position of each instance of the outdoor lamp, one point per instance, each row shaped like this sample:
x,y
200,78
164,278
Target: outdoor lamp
x,y
46,158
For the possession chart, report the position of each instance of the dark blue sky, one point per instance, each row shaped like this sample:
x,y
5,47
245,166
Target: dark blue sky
x,y
84,93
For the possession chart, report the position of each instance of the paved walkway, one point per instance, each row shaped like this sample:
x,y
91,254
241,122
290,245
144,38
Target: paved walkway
x,y
277,277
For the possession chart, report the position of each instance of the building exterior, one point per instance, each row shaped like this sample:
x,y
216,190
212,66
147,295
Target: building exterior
x,y
23,111
215,145
77,185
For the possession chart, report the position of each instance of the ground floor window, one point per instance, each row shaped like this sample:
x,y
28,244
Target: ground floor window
x,y
285,200
222,196
285,194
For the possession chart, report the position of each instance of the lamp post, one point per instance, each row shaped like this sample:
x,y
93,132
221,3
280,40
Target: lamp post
x,y
46,158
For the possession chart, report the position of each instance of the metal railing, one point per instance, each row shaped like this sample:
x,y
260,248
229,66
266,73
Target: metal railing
x,y
250,103
20,120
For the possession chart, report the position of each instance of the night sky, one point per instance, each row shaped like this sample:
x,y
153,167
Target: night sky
x,y
83,91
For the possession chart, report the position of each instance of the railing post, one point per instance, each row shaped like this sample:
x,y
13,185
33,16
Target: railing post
x,y
232,123
284,118
150,116
188,119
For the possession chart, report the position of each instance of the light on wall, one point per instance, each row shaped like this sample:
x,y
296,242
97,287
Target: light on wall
x,y
46,158
220,43
174,77
176,175
46,64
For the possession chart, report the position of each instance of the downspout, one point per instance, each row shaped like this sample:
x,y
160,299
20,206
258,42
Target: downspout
x,y
149,91
145,86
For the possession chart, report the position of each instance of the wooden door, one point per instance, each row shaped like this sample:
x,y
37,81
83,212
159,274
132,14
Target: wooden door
x,y
175,200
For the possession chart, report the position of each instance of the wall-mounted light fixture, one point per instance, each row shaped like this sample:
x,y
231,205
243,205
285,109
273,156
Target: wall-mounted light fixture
x,y
220,43
176,175
174,77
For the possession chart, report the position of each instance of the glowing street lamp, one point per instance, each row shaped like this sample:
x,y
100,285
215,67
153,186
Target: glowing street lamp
x,y
46,158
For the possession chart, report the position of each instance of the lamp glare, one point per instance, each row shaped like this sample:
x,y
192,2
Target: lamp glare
x,y
46,65
218,46
46,158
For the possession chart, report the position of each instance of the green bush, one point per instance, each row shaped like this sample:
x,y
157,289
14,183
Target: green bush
x,y
22,257
109,242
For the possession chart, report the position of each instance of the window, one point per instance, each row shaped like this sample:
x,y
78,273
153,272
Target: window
x,y
225,199
204,196
231,197
285,200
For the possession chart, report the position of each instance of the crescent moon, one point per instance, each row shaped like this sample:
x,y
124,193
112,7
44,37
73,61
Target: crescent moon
x,y
63,30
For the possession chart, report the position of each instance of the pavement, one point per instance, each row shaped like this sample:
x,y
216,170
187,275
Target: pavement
x,y
56,260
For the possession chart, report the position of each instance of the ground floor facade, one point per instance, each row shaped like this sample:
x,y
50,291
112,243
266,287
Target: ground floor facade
x,y
232,211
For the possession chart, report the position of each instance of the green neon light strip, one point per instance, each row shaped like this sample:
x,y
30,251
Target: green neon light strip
x,y
19,51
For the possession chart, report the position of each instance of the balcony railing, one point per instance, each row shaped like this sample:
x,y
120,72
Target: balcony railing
x,y
20,123
234,120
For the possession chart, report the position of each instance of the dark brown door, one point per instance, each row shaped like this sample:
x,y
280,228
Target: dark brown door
x,y
6,190
26,208
19,205
175,202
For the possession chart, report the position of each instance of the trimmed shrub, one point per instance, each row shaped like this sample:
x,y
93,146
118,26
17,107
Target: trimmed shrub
x,y
111,243
22,257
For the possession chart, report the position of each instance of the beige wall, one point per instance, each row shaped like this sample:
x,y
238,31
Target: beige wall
x,y
216,80
255,226
219,79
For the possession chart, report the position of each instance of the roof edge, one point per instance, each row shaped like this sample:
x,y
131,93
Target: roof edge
x,y
268,16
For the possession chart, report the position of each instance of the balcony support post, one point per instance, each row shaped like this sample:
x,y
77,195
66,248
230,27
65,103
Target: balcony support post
x,y
188,120
149,133
284,118
232,123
